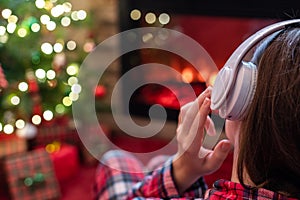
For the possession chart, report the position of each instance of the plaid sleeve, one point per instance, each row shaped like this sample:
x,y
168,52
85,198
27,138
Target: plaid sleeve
x,y
160,184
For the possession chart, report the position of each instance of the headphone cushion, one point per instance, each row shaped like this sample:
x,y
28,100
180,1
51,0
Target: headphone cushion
x,y
241,94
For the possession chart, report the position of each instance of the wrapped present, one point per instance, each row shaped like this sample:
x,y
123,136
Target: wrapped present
x,y
10,144
60,133
65,160
30,176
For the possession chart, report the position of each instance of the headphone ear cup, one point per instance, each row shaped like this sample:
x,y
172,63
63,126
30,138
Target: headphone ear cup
x,y
241,94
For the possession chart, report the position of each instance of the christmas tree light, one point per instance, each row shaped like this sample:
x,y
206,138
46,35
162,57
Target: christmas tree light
x,y
35,56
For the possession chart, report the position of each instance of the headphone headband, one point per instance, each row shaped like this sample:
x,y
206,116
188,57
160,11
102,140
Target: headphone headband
x,y
236,82
238,55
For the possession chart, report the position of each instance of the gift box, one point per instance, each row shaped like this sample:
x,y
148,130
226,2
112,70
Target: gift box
x,y
10,144
65,161
30,176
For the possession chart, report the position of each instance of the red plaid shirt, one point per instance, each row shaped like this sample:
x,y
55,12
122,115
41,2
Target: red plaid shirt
x,y
125,184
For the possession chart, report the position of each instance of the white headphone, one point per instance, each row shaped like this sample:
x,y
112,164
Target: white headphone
x,y
235,84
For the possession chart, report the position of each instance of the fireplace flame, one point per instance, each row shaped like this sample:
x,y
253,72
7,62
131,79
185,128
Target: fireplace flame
x,y
187,75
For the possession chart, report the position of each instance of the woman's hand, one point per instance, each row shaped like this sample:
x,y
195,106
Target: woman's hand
x,y
192,160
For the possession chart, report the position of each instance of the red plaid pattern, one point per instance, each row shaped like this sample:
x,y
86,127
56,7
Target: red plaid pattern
x,y
124,184
10,144
18,167
60,133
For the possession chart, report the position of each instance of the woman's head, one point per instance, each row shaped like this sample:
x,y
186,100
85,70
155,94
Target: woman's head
x,y
270,134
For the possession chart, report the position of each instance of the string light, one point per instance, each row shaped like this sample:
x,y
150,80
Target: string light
x,y
150,18
73,96
81,15
50,74
11,27
1,126
76,88
23,86
8,129
12,19
40,73
67,101
47,48
72,69
2,30
40,4
67,7
45,19
164,18
59,108
72,80
71,45
135,14
48,115
22,32
51,26
35,27
58,47
57,10
65,21
74,16
36,119
20,123
6,13
15,100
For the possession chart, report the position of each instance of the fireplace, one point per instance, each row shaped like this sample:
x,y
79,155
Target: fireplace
x,y
218,26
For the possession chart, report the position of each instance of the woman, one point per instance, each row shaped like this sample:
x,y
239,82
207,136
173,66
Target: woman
x,y
266,142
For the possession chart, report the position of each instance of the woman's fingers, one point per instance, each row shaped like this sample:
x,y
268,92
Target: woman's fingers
x,y
210,127
189,111
215,158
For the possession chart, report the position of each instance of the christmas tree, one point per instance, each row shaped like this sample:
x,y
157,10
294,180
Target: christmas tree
x,y
40,59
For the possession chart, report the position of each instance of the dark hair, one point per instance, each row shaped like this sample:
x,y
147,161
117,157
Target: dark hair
x,y
270,134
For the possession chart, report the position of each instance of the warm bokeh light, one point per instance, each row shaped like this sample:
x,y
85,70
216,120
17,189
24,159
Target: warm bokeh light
x,y
51,26
15,100
135,14
48,115
47,48
72,80
65,21
23,86
44,19
150,18
6,13
81,15
35,27
187,75
71,45
164,18
40,4
36,119
51,74
73,96
22,32
76,88
40,73
11,27
8,129
58,47
20,123
59,108
72,69
67,101
2,30
13,19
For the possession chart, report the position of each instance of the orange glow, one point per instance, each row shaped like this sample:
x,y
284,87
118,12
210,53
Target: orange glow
x,y
211,79
187,75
